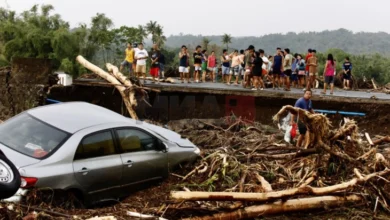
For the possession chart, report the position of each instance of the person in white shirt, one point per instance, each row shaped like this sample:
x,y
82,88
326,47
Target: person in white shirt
x,y
266,64
141,55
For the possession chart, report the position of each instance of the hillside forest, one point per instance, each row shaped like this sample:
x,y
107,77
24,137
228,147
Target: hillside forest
x,y
41,33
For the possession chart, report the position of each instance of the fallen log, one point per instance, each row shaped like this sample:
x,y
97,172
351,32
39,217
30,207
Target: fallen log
x,y
112,80
382,140
269,196
282,207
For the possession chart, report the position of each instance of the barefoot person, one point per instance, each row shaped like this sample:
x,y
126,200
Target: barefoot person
x,y
129,59
141,55
236,66
204,65
212,66
329,72
249,56
257,72
305,104
183,64
287,62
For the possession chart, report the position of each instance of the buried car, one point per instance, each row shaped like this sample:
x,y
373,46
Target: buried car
x,y
89,150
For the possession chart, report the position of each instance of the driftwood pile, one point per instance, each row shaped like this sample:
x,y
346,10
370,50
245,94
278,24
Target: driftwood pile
x,y
251,172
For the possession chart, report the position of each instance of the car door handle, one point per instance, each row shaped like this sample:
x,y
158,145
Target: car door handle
x,y
129,163
84,170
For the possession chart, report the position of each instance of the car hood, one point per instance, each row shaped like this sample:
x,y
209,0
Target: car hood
x,y
18,159
170,135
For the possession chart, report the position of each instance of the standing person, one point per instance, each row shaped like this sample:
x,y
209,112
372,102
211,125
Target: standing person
x,y
154,64
270,73
242,66
236,66
141,55
257,72
204,65
265,64
301,66
197,63
287,66
129,59
183,64
212,66
347,73
294,69
248,65
329,73
312,63
225,60
277,67
308,55
305,104
135,49
161,60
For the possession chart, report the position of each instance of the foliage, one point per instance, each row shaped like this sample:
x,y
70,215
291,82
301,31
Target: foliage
x,y
227,39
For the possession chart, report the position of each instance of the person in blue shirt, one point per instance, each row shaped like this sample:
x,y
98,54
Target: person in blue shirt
x,y
347,74
305,104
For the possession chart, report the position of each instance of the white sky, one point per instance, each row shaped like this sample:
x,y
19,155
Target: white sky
x,y
236,17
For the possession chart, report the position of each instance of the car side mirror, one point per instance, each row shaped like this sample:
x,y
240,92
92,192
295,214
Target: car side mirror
x,y
161,146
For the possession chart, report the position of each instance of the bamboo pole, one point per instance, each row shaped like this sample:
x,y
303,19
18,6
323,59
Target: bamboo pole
x,y
110,79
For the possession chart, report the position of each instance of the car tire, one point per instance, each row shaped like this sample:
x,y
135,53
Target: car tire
x,y
9,178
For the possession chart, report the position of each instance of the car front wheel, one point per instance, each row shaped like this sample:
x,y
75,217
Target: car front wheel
x,y
9,178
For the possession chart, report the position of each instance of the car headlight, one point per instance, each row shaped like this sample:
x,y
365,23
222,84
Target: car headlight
x,y
197,150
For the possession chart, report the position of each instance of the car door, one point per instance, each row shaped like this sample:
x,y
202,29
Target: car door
x,y
142,160
97,164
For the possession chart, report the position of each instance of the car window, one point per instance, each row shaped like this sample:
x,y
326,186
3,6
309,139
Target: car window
x,y
96,145
30,136
133,140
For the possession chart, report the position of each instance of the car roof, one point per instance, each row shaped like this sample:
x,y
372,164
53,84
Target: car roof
x,y
74,116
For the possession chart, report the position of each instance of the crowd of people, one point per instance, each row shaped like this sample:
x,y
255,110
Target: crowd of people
x,y
252,67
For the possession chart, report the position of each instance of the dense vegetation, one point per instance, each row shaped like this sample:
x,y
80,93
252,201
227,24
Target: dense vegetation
x,y
40,33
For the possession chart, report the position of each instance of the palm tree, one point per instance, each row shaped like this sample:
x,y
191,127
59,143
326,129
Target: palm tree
x,y
205,42
226,39
142,33
151,29
160,38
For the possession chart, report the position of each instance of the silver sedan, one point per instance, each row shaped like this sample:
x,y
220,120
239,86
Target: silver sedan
x,y
90,150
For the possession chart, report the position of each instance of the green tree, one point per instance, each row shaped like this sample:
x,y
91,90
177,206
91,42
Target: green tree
x,y
227,39
101,34
151,28
205,43
160,38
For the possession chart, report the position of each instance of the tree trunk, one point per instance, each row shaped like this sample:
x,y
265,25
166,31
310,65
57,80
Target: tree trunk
x,y
112,80
124,81
282,207
264,197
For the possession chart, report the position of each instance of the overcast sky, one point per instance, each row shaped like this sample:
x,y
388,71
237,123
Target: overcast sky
x,y
236,17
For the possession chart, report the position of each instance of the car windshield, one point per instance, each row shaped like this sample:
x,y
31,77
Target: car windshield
x,y
31,137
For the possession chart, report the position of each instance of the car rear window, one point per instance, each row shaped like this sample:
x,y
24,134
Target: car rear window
x,y
30,136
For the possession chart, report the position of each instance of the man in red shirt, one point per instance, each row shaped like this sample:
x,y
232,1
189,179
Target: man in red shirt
x,y
309,54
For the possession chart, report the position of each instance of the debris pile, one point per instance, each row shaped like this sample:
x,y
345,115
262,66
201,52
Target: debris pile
x,y
251,173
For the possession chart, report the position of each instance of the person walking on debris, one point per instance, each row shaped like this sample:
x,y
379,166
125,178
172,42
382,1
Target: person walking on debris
x,y
347,73
155,65
304,103
183,64
329,73
212,66
197,63
129,59
141,55
313,64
